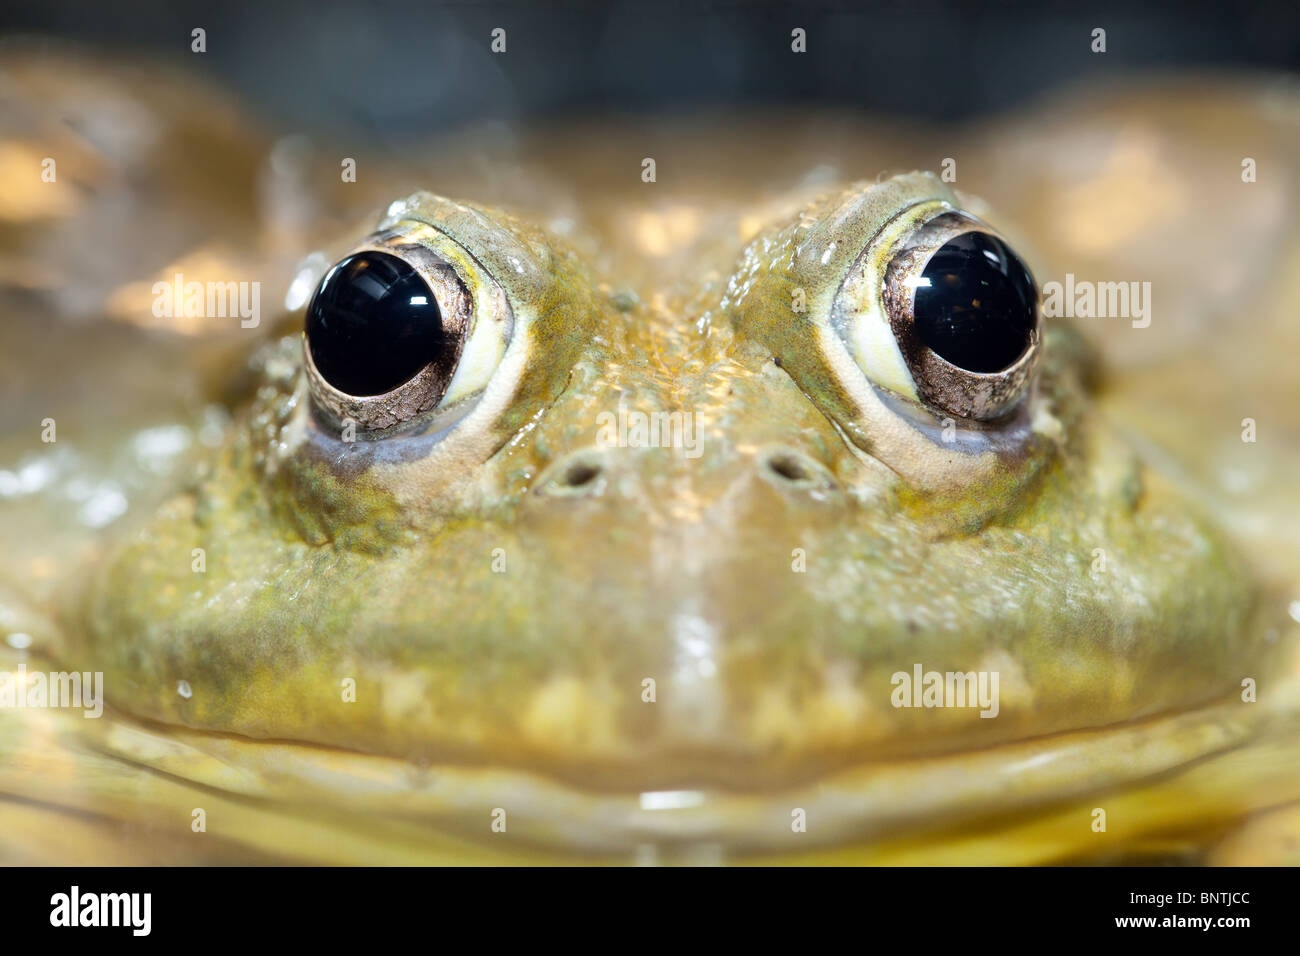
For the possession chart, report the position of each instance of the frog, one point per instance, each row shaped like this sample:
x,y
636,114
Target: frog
x,y
604,504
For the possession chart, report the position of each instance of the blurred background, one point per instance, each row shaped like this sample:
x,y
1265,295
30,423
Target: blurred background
x,y
396,71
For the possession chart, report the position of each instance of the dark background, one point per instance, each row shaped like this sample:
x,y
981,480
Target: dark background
x,y
398,70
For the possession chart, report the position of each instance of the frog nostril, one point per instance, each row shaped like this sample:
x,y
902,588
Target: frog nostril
x,y
580,474
790,468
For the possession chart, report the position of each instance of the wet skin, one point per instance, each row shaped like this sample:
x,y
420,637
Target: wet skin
x,y
460,612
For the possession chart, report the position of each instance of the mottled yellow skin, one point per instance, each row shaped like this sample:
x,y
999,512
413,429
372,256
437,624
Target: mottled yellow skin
x,y
500,586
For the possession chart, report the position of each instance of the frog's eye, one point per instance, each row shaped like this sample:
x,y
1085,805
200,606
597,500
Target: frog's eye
x,y
389,329
374,324
963,311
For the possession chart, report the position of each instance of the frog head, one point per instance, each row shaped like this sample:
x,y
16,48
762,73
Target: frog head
x,y
598,529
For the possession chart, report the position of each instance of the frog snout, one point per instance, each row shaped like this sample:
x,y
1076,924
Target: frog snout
x,y
597,472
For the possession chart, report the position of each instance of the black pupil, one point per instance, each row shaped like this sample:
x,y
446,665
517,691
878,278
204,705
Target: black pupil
x,y
373,324
974,306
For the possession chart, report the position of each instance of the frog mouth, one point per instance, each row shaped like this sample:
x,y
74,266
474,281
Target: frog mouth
x,y
1025,801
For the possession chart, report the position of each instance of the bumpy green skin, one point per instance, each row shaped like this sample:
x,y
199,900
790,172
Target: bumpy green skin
x,y
374,560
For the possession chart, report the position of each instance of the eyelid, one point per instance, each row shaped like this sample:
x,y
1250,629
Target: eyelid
x,y
491,321
859,315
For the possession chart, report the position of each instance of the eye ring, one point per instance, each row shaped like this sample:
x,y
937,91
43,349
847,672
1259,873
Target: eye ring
x,y
425,388
992,388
